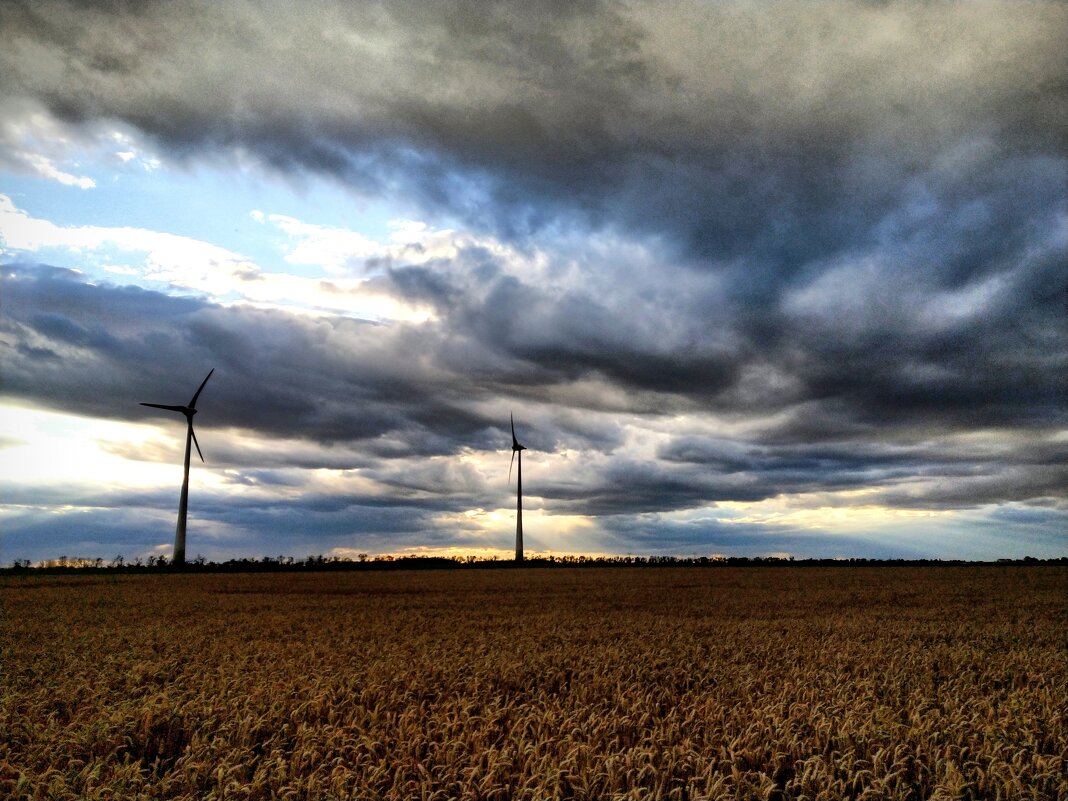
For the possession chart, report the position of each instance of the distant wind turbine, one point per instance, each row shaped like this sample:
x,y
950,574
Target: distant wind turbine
x,y
190,437
517,448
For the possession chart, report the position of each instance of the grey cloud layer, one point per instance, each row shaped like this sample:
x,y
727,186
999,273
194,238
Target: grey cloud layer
x,y
769,133
381,397
850,218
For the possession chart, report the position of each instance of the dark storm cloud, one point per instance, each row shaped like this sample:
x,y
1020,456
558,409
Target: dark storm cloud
x,y
991,483
553,336
766,147
365,391
728,472
865,344
775,135
850,220
326,380
383,390
929,474
907,355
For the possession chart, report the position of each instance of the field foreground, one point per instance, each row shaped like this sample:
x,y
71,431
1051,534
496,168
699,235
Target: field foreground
x,y
841,682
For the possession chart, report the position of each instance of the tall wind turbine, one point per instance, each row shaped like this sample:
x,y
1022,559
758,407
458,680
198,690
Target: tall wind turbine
x,y
190,437
517,448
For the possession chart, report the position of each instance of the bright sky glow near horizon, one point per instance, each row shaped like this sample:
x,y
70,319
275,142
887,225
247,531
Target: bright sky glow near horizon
x,y
754,278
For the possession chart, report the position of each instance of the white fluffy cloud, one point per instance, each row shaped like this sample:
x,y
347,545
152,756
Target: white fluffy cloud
x,y
223,275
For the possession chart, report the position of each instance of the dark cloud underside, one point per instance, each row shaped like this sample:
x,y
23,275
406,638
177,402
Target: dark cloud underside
x,y
836,228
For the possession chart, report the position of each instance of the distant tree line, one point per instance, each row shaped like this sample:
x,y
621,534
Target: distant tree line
x,y
365,562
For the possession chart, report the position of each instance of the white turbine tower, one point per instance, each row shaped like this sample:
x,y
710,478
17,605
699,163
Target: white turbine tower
x,y
190,437
517,448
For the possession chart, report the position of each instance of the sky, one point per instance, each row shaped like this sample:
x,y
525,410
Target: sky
x,y
755,279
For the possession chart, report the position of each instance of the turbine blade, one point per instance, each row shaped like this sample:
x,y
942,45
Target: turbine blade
x,y
193,434
193,403
510,467
181,409
515,443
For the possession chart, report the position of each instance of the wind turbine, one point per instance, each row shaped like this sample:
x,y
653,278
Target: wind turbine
x,y
190,437
517,448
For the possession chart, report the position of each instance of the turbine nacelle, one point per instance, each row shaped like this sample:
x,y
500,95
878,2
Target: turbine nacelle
x,y
182,409
188,411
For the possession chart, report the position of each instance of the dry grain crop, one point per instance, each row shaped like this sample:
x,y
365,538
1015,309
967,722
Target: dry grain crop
x,y
784,683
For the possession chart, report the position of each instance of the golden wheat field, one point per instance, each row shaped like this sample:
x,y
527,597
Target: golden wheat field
x,y
679,683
